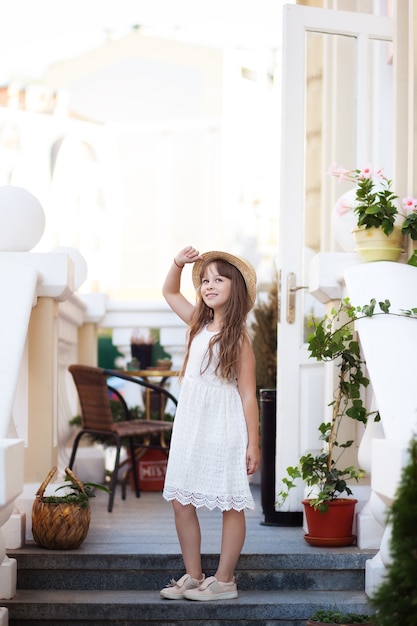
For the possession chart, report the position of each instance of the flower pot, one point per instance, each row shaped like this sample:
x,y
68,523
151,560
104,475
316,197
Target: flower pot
x,y
372,244
332,528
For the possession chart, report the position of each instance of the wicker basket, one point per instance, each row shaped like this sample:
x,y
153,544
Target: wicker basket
x,y
59,526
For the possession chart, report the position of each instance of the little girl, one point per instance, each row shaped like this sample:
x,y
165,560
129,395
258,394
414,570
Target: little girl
x,y
214,443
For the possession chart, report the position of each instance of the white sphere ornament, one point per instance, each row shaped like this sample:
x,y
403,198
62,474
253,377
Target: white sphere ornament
x,y
22,219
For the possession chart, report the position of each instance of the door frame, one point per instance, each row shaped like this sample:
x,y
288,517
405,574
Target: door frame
x,y
300,380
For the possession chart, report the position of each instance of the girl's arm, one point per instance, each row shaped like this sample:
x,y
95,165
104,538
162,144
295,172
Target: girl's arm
x,y
172,285
246,381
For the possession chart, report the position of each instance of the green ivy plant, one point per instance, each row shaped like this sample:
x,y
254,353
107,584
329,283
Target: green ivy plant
x,y
333,339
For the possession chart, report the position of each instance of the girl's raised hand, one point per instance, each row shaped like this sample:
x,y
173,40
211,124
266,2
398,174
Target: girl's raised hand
x,y
172,286
187,255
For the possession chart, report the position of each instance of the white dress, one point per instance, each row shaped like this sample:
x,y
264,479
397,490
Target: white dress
x,y
207,458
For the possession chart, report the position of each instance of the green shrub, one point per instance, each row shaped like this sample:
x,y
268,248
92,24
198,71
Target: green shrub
x,y
335,617
395,600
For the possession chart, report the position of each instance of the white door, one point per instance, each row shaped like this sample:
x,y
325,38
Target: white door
x,y
335,65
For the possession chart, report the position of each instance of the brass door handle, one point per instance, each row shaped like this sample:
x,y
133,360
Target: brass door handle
x,y
292,289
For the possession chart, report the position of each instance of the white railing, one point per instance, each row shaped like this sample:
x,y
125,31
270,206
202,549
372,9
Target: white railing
x,y
65,327
24,280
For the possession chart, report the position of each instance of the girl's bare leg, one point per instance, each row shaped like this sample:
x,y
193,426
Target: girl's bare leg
x,y
189,535
233,538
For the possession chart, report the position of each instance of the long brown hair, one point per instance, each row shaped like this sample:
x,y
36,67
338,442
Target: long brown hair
x,y
230,336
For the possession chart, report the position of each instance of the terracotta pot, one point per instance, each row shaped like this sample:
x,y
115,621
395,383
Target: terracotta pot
x,y
332,528
372,244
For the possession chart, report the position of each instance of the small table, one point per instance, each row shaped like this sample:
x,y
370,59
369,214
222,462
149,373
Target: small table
x,y
164,375
153,373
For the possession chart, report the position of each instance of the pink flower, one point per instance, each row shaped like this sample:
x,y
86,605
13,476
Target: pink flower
x,y
341,173
409,203
342,206
366,172
380,174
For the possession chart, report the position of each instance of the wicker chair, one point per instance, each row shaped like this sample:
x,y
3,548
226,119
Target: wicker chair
x,y
97,419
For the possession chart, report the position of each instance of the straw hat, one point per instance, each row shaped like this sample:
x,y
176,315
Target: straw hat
x,y
244,267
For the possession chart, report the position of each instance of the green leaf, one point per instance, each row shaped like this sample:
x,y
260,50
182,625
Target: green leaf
x,y
369,309
385,306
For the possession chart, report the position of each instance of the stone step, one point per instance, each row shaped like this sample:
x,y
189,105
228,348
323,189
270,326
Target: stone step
x,y
126,608
115,576
323,570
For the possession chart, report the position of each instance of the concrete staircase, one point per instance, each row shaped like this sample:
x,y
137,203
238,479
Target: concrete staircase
x,y
69,588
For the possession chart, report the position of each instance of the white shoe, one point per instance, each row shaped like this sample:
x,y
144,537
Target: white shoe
x,y
176,588
212,589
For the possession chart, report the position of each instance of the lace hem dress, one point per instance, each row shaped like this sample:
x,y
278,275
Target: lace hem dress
x,y
207,458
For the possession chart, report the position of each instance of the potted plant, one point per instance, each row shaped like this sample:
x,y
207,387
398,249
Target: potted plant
x,y
324,616
380,227
332,339
62,522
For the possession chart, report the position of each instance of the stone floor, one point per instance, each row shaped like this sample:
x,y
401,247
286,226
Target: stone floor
x,y
145,525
